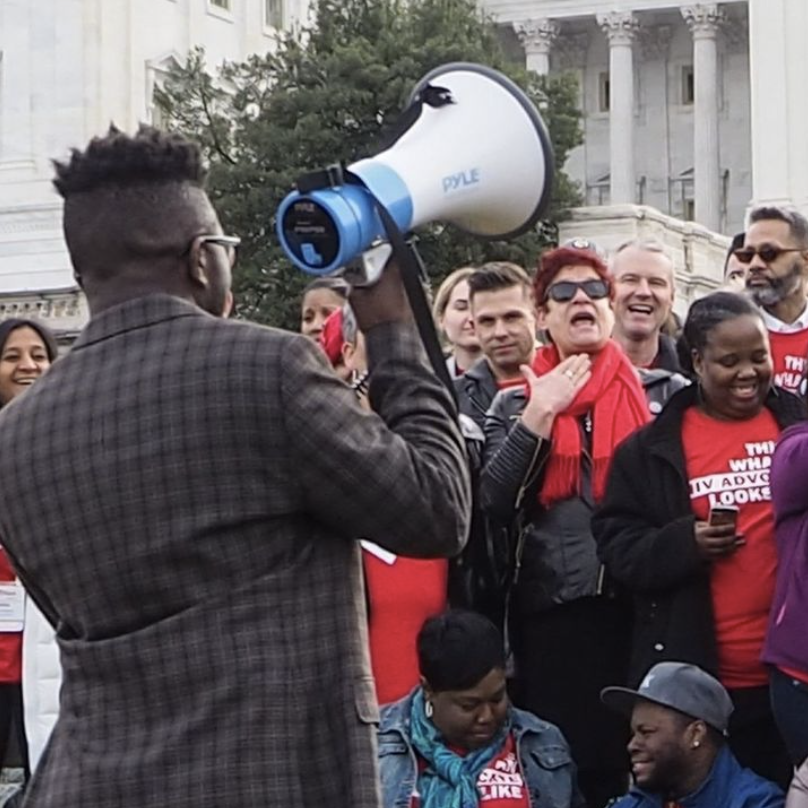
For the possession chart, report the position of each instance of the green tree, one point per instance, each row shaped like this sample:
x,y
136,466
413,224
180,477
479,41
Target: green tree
x,y
327,94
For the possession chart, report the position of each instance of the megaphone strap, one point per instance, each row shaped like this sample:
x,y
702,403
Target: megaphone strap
x,y
412,270
328,177
431,96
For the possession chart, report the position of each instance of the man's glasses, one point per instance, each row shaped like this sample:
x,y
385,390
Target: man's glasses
x,y
767,254
564,291
230,243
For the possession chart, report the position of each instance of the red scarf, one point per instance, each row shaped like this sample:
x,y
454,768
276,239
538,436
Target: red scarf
x,y
615,396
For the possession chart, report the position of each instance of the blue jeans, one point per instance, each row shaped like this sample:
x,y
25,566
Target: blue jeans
x,y
790,707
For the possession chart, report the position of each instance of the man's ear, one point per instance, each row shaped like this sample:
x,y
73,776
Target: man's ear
x,y
197,266
696,734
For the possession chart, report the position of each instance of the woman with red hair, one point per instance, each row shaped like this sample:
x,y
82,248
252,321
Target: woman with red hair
x,y
548,449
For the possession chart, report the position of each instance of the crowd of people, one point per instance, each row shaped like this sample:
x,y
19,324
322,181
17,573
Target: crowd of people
x,y
578,577
625,518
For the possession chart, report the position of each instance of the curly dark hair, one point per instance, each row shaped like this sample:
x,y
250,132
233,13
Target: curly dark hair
x,y
118,159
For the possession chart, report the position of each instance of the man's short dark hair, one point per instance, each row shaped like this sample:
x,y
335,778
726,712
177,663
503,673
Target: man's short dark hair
x,y
797,223
120,160
132,198
496,275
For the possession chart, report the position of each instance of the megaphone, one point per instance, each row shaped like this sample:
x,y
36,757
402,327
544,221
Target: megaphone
x,y
480,159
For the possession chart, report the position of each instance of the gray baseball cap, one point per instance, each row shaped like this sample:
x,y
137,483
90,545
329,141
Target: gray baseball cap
x,y
681,687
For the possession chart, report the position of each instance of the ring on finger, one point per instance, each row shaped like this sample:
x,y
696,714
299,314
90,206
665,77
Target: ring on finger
x,y
569,374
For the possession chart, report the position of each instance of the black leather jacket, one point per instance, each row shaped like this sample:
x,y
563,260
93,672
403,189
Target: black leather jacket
x,y
556,555
476,389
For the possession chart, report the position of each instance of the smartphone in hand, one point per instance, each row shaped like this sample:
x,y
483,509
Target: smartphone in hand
x,y
723,515
726,515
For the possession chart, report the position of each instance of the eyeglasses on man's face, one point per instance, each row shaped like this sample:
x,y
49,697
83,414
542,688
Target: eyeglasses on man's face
x,y
230,243
768,254
564,291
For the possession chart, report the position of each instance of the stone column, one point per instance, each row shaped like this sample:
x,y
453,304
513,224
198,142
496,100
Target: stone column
x,y
704,21
779,77
537,37
620,29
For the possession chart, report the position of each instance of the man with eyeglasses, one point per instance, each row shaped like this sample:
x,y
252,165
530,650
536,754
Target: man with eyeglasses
x,y
775,256
180,500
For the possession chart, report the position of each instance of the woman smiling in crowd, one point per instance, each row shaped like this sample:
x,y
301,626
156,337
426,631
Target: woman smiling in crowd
x,y
27,350
452,312
703,579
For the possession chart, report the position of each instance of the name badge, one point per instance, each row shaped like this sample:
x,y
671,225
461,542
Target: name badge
x,y
12,606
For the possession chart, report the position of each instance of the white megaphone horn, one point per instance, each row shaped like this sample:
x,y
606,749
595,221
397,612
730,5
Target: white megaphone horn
x,y
482,162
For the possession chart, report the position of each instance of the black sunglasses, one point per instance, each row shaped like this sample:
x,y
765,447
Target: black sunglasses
x,y
564,291
767,254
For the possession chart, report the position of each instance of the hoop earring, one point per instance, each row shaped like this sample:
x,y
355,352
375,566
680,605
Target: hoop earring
x,y
428,709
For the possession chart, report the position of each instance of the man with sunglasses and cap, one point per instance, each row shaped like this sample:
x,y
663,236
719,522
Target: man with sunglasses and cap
x,y
775,256
679,756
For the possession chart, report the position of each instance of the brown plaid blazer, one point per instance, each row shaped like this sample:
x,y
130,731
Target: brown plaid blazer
x,y
180,495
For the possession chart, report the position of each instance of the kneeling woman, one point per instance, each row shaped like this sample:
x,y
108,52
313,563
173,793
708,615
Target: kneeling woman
x,y
455,741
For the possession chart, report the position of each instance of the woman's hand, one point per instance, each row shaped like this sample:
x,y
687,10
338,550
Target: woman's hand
x,y
553,392
716,541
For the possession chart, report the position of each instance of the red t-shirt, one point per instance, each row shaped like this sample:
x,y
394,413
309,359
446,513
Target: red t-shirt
x,y
501,784
10,641
728,464
790,357
402,595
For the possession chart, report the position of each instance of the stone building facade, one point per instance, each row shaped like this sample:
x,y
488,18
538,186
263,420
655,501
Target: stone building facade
x,y
665,97
67,69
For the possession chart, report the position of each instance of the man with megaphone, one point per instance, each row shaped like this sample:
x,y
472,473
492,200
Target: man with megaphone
x,y
205,479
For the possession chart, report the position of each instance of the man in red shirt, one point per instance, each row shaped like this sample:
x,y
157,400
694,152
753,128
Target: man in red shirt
x,y
775,253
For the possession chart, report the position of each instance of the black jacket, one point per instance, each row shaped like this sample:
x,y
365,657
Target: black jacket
x,y
645,533
476,389
559,562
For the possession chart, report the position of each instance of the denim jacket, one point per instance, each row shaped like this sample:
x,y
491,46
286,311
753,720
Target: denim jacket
x,y
543,754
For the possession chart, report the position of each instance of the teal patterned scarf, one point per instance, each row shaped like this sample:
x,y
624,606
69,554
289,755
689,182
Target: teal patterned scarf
x,y
449,780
